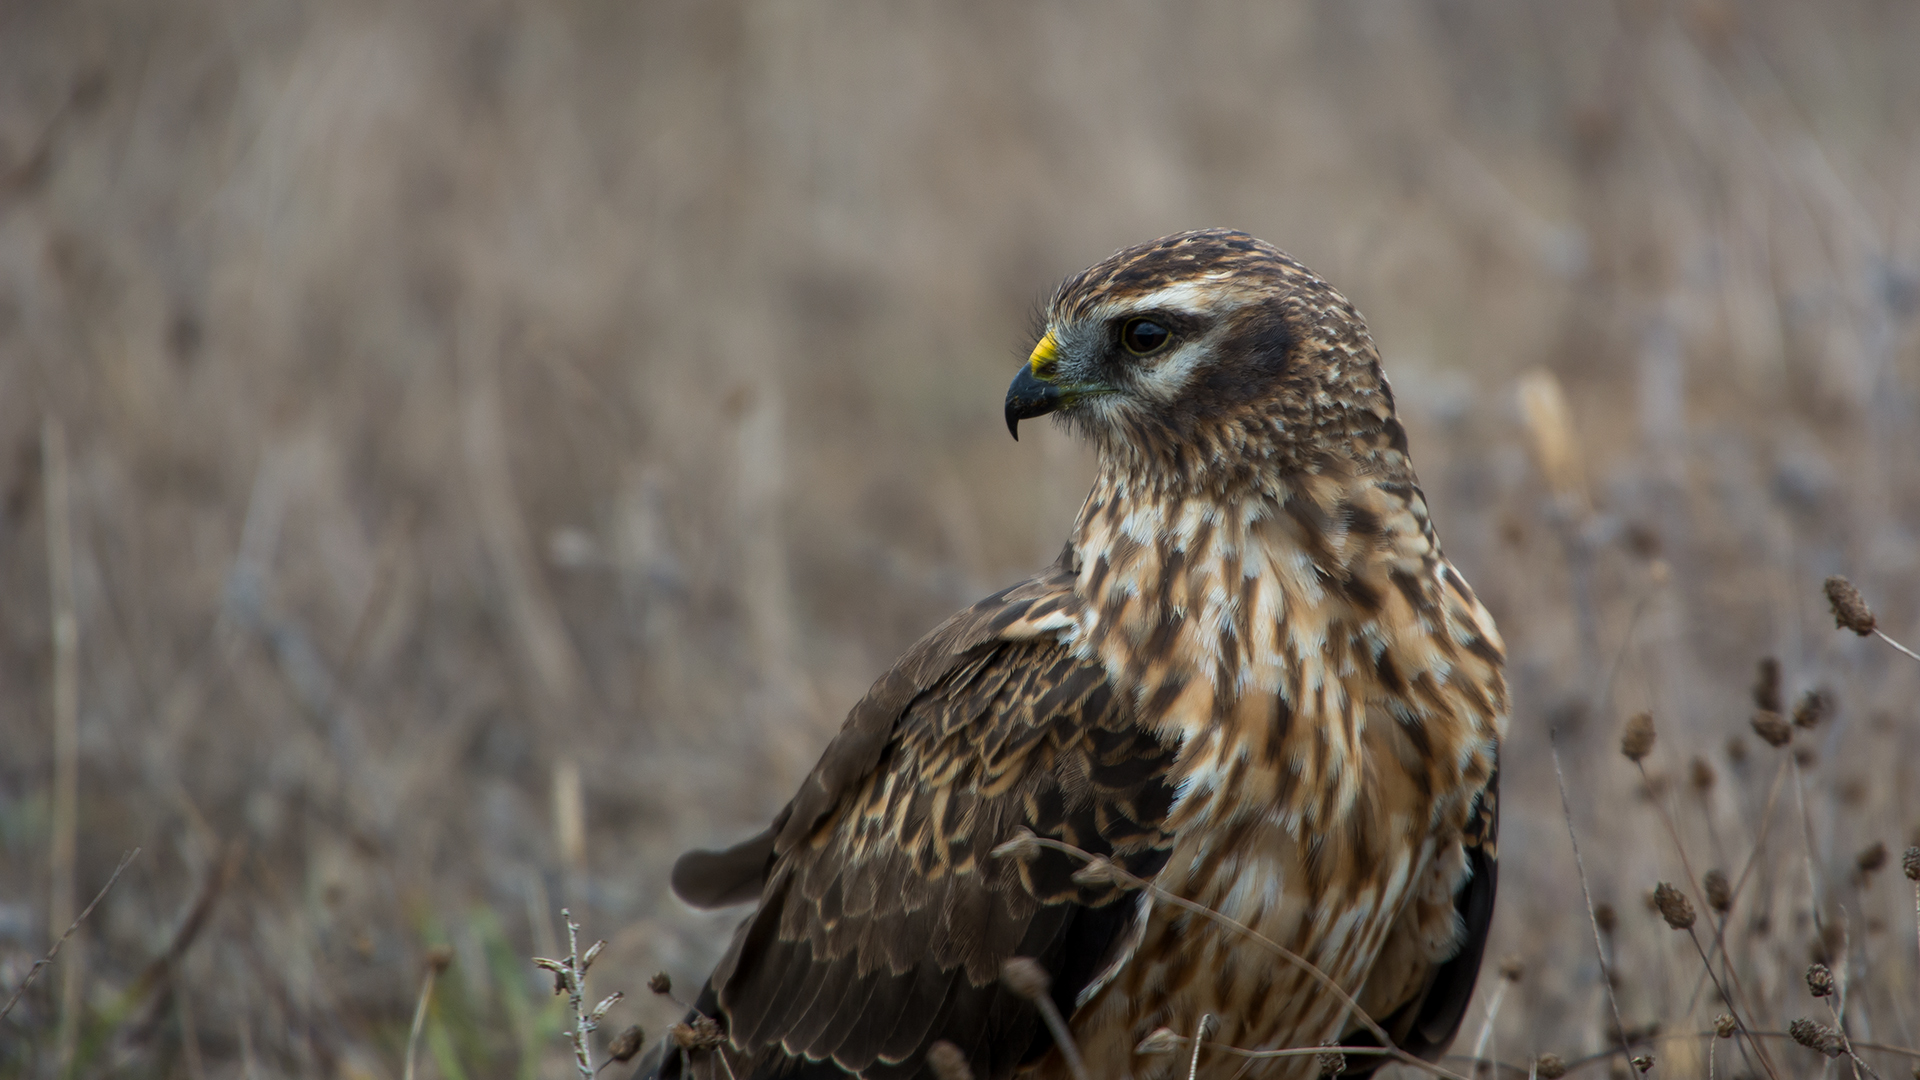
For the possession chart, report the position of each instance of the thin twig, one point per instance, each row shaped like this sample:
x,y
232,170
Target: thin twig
x,y
1062,1036
1693,882
420,1019
1493,1011
82,917
1846,1043
1603,1055
1580,865
1882,635
1199,1037
1739,1023
1753,858
1719,949
66,715
570,977
1916,912
1168,1042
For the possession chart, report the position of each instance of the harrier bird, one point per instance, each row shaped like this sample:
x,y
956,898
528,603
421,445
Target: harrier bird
x,y
1251,680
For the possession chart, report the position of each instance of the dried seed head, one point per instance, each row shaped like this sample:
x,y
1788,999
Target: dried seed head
x,y
1814,706
947,1062
700,1033
1725,1025
1910,864
1872,857
1160,1041
1701,773
1025,977
1850,610
1674,906
1605,917
1636,739
1816,1037
1819,980
624,1046
1549,1067
661,983
1643,1062
1512,968
1772,728
1766,685
1099,871
1719,891
439,957
1024,845
599,1012
1331,1062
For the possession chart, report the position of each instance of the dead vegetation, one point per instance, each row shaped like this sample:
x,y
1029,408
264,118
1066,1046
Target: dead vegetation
x,y
455,457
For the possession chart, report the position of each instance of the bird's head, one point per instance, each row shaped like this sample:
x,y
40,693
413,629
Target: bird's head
x,y
1209,357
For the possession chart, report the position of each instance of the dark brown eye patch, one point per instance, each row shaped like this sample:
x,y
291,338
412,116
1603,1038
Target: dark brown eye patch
x,y
1142,336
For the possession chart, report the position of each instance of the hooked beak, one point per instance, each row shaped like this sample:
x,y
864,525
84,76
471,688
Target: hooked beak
x,y
1033,393
1029,396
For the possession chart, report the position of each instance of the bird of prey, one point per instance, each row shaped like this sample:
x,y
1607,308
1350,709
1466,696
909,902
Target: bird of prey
x,y
1251,681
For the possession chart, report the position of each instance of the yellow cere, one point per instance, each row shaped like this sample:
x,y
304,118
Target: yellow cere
x,y
1043,355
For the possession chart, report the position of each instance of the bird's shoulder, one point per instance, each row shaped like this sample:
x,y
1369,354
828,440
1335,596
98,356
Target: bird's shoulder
x,y
1013,632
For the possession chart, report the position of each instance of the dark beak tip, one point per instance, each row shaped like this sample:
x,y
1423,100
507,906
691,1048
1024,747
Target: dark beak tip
x,y
1028,397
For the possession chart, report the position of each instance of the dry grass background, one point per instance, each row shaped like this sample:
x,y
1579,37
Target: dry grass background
x,y
501,439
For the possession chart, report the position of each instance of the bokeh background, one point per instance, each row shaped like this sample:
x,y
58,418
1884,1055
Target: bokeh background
x,y
480,450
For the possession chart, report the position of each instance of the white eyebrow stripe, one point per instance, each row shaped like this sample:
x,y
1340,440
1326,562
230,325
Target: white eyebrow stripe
x,y
1191,297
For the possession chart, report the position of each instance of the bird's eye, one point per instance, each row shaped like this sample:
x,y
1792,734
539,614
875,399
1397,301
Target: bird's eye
x,y
1142,336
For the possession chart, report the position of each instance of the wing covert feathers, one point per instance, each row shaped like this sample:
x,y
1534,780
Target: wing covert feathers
x,y
883,916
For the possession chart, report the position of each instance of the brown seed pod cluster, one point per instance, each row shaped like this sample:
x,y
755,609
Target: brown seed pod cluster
x,y
1819,980
1910,864
1766,685
1719,891
700,1033
1636,739
1331,1063
1725,1025
1673,906
1772,728
1850,610
1025,977
1605,917
1872,857
1816,1037
624,1046
947,1062
1700,772
1813,707
1549,1067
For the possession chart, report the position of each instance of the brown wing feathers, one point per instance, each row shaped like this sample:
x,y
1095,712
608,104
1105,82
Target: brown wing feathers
x,y
883,917
887,928
1425,1026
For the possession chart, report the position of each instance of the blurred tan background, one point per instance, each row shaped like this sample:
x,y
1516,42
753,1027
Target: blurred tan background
x,y
485,448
